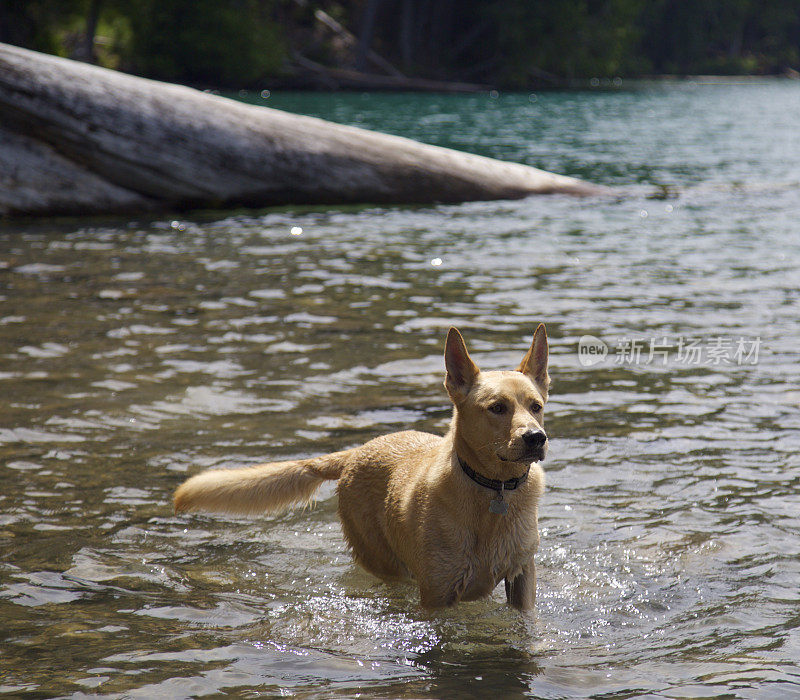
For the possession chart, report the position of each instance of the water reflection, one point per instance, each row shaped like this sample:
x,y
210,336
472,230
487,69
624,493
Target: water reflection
x,y
134,355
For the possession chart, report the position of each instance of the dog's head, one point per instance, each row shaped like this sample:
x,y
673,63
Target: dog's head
x,y
499,415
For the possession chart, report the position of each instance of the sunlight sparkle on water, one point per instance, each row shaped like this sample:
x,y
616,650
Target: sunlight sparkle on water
x,y
159,349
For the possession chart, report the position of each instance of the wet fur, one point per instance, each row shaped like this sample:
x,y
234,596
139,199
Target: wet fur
x,y
406,506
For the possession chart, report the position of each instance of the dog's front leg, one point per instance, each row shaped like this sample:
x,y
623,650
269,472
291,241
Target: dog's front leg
x,y
441,592
521,590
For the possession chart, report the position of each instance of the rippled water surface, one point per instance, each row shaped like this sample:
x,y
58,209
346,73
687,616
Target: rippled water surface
x,y
133,354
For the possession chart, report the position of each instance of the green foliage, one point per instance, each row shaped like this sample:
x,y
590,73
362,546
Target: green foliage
x,y
711,36
38,24
568,38
520,43
510,43
230,43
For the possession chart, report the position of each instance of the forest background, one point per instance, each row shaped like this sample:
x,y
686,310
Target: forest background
x,y
503,44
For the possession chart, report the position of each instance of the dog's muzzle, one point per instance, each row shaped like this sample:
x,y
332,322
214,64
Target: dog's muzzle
x,y
535,444
531,446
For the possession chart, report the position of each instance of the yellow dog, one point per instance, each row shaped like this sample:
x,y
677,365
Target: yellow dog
x,y
458,513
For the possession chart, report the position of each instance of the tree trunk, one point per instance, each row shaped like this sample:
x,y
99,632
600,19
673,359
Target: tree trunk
x,y
366,34
92,18
407,35
79,139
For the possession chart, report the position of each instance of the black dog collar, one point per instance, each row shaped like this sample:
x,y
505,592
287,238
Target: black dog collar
x,y
494,484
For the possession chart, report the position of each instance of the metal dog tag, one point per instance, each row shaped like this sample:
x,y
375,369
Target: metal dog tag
x,y
497,505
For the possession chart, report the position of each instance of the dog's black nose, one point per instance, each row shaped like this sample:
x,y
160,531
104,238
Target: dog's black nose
x,y
534,438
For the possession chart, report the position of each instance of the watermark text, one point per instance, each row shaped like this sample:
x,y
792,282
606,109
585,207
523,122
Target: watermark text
x,y
661,351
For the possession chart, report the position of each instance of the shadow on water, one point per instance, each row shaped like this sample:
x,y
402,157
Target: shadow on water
x,y
472,673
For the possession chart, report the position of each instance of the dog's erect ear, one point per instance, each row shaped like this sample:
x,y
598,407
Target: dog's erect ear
x,y
461,370
534,364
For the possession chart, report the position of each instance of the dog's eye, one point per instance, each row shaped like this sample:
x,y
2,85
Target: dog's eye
x,y
498,408
536,407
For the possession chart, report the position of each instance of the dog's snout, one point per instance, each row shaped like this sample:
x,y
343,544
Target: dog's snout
x,y
534,438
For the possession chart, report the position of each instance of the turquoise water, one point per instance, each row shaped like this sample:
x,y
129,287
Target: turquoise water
x,y
675,134
135,353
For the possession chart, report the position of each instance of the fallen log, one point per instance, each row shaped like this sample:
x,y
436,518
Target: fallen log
x,y
348,79
78,139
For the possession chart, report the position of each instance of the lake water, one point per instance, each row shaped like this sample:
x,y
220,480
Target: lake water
x,y
136,353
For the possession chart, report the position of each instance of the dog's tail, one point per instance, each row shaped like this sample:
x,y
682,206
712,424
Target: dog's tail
x,y
265,488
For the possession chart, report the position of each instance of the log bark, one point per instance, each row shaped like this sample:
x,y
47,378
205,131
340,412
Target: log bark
x,y
78,139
